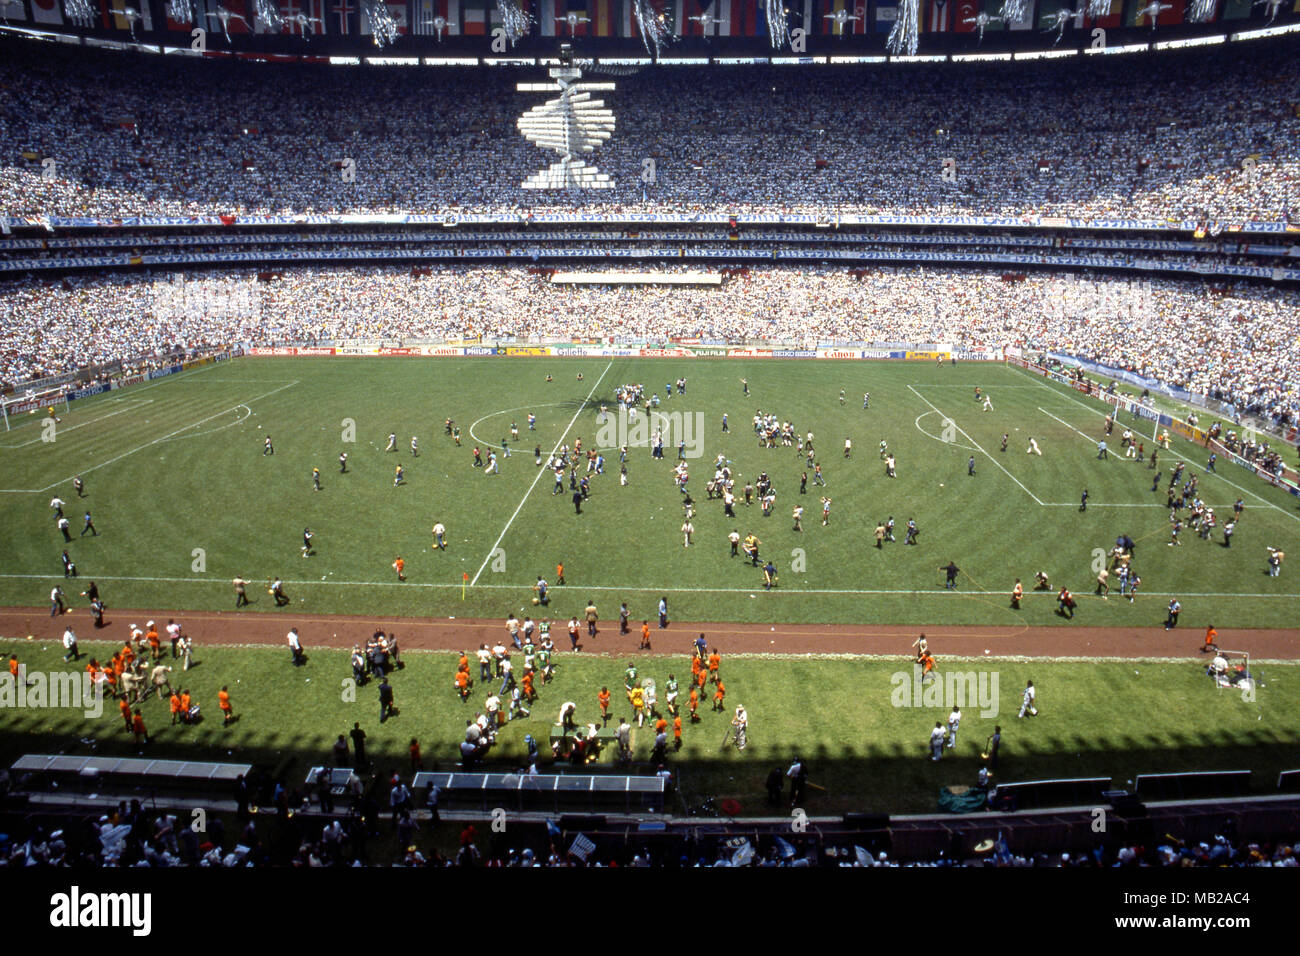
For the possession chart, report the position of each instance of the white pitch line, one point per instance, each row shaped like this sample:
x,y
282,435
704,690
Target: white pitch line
x,y
72,428
977,445
1172,454
150,444
1092,441
917,424
1118,504
539,474
507,411
937,591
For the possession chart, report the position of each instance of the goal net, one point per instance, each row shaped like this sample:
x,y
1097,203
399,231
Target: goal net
x,y
35,405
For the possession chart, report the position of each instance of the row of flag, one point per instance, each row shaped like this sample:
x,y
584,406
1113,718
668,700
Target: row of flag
x,y
614,18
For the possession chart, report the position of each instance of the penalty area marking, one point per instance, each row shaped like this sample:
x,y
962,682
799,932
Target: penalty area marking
x,y
71,428
125,454
220,428
1172,454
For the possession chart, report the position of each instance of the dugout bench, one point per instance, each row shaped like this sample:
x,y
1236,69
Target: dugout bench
x,y
1191,786
339,777
1065,792
542,793
133,774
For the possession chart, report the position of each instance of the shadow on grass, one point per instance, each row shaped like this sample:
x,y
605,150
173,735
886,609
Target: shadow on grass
x,y
871,778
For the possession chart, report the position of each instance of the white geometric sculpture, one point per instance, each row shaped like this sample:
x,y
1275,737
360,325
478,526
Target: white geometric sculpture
x,y
571,124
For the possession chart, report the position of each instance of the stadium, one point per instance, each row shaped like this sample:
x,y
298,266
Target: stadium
x,y
732,435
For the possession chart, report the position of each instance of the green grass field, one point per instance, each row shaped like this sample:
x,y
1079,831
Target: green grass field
x,y
184,499
1115,719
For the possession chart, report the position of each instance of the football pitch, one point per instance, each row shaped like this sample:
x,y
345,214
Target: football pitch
x,y
184,498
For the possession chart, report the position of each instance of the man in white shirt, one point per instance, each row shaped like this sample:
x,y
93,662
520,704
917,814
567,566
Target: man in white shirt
x,y
295,647
174,633
936,740
70,645
741,724
567,710
158,677
624,737
954,719
1027,704
1219,667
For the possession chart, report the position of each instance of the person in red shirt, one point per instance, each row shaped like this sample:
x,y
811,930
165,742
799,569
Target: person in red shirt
x,y
718,696
645,636
1211,636
175,705
223,701
927,664
695,703
138,728
677,732
603,699
125,710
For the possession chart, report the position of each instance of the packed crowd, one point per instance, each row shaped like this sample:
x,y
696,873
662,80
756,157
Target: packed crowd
x,y
131,836
1238,346
1210,135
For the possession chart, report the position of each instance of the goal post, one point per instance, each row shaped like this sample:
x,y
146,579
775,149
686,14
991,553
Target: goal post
x,y
15,408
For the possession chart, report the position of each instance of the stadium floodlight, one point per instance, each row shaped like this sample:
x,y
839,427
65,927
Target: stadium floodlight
x,y
571,124
652,25
514,20
778,25
82,12
1013,11
266,15
903,35
383,28
178,11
